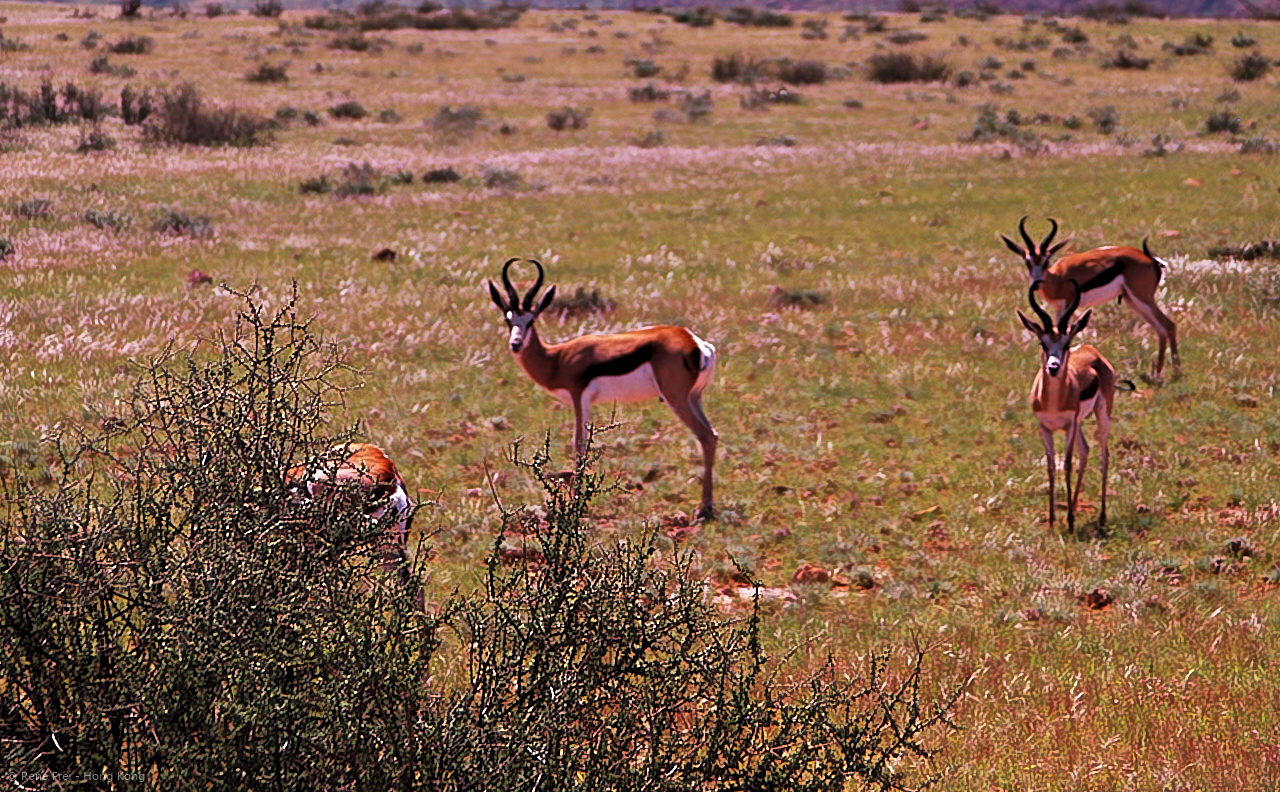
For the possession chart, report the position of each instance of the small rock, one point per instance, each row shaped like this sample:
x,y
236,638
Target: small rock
x,y
198,278
1192,183
386,254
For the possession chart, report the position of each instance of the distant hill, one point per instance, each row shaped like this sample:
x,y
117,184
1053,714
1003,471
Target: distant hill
x,y
1228,9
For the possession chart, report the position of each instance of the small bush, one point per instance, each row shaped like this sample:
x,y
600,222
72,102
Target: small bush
x,y
1124,59
814,29
129,9
696,107
134,107
1241,41
359,181
317,186
351,111
454,123
1258,144
904,37
900,67
134,45
1248,68
183,118
267,9
268,73
803,72
694,17
1074,35
567,118
441,176
990,127
501,179
176,223
643,69
1224,121
107,221
32,209
1194,44
354,42
750,17
650,92
6,248
214,10
737,68
95,140
389,116
655,138
1105,119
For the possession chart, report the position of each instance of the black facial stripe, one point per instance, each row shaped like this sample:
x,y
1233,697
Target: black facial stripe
x,y
619,366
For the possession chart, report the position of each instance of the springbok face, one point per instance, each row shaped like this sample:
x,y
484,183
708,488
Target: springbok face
x,y
1036,257
518,314
1055,342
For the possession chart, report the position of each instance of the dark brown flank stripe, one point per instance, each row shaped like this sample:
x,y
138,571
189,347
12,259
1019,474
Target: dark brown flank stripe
x,y
619,366
1103,278
1089,390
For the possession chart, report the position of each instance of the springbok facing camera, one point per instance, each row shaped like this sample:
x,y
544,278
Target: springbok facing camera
x,y
1071,384
669,363
365,477
1125,273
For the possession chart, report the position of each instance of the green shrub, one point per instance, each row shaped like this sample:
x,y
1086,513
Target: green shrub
x,y
173,610
352,110
177,223
108,220
267,9
899,67
134,45
1224,121
643,68
32,209
95,139
268,73
567,118
134,107
750,17
183,118
6,248
1250,67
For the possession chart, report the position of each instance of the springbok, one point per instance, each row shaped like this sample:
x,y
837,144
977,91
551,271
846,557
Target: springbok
x,y
670,363
1125,273
364,477
1071,384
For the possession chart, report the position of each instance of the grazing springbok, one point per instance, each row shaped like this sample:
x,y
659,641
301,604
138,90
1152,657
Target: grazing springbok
x,y
670,363
365,478
1125,273
1071,384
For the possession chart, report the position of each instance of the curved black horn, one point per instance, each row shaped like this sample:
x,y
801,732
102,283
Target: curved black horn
x,y
528,296
1044,246
1065,320
1046,321
1022,229
512,297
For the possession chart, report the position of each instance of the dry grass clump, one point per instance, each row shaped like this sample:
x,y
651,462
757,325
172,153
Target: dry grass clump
x,y
349,111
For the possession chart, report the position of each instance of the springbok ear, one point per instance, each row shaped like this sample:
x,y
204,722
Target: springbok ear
x,y
1084,322
1059,246
1013,246
546,301
1031,326
497,298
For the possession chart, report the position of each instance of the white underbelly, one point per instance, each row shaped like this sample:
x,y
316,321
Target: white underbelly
x,y
1101,294
637,385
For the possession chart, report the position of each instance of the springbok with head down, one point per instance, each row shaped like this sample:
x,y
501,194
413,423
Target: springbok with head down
x,y
364,477
669,363
1071,385
1124,273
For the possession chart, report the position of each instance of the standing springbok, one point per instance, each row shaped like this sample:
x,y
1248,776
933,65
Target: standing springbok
x,y
670,363
1126,273
1071,384
364,477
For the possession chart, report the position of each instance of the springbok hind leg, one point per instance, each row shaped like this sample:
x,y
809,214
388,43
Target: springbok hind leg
x,y
690,413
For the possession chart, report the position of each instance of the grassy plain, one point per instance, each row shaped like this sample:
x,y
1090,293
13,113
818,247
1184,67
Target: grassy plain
x,y
881,433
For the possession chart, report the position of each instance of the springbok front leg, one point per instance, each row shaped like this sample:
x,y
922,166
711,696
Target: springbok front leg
x,y
1050,463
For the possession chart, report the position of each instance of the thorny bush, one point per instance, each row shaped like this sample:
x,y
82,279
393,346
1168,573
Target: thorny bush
x,y
168,608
